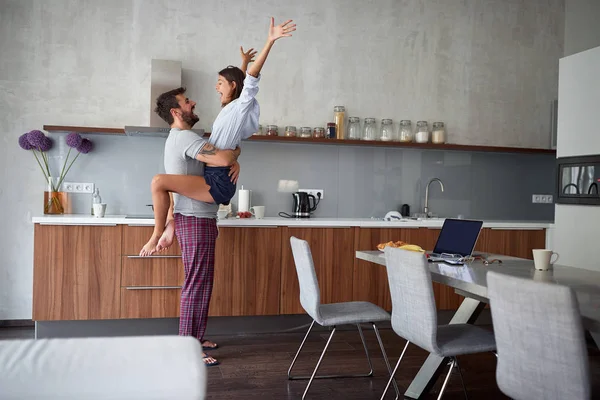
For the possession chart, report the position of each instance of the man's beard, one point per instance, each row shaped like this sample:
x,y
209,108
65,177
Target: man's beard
x,y
190,118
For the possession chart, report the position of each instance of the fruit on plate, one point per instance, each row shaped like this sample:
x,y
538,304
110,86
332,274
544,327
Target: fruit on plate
x,y
399,243
244,214
412,247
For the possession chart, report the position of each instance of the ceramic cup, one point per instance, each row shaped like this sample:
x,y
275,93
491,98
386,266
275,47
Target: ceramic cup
x,y
99,210
258,211
222,214
542,259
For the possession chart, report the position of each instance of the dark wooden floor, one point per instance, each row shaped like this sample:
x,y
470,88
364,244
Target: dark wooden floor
x,y
255,367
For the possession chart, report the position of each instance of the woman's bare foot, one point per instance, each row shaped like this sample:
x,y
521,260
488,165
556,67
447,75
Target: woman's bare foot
x,y
150,247
208,345
208,360
166,240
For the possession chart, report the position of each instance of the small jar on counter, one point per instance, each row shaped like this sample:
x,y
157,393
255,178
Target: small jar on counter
x,y
405,133
259,132
438,133
331,130
319,132
272,130
353,128
290,131
422,135
387,130
370,129
305,132
339,115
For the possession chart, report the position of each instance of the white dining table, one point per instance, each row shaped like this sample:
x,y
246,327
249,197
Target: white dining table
x,y
470,280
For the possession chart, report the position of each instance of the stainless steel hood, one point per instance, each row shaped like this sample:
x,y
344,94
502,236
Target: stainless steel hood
x,y
159,132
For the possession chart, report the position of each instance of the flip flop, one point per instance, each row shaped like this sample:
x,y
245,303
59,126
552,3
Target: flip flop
x,y
216,346
212,364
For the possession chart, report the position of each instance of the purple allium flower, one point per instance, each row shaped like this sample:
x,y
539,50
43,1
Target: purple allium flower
x,y
74,140
46,144
85,146
24,143
36,138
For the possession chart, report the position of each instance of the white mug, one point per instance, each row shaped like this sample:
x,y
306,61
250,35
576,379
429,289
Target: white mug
x,y
99,210
222,214
542,259
258,211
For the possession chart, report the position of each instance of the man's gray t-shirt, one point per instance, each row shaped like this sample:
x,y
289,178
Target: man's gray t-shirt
x,y
181,149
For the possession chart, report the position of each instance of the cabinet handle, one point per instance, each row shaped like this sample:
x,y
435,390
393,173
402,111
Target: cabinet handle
x,y
151,287
153,256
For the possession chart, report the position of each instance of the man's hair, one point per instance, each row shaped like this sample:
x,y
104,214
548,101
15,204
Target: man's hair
x,y
234,74
165,102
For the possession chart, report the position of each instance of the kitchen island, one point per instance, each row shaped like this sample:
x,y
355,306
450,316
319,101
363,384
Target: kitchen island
x,y
87,270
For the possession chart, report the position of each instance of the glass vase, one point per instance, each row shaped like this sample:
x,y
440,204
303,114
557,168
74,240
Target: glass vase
x,y
55,201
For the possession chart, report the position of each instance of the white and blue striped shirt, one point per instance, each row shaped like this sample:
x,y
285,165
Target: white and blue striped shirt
x,y
239,119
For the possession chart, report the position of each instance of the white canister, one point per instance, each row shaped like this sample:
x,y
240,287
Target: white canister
x,y
244,200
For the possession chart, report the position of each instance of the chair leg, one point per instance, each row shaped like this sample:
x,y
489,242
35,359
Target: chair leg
x,y
394,372
461,378
446,380
299,350
318,363
362,338
385,358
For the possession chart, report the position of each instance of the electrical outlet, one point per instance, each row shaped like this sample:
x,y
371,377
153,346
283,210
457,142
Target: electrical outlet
x,y
78,187
313,192
542,198
536,198
548,199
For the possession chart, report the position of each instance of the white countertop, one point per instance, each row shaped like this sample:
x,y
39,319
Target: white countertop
x,y
76,219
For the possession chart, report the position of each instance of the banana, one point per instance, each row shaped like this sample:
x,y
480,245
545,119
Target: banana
x,y
412,247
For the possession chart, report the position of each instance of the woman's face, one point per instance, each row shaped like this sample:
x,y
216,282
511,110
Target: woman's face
x,y
225,89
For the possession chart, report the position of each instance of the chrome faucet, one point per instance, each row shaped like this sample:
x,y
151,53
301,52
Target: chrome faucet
x,y
426,208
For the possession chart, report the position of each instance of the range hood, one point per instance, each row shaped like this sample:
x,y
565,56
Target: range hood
x,y
164,76
156,131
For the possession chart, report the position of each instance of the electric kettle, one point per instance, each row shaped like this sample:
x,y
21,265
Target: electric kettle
x,y
302,206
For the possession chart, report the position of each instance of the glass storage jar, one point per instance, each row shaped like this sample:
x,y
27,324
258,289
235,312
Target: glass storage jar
x,y
339,116
405,133
353,128
387,130
319,132
370,129
331,130
272,130
438,133
259,132
422,135
290,131
305,132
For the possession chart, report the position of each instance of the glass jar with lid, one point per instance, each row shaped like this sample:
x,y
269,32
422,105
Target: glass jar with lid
x,y
290,131
319,132
422,134
370,129
438,133
387,130
259,132
306,132
272,130
339,116
353,128
405,132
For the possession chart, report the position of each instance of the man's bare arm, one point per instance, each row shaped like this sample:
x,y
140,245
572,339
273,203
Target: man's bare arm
x,y
210,155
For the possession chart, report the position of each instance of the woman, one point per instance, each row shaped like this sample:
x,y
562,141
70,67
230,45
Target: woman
x,y
237,120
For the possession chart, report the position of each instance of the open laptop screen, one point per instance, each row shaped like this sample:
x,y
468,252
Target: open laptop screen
x,y
458,236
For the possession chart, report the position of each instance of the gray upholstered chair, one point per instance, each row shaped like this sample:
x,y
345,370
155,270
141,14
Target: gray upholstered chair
x,y
414,315
331,315
541,344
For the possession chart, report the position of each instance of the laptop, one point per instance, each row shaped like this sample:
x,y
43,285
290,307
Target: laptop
x,y
456,241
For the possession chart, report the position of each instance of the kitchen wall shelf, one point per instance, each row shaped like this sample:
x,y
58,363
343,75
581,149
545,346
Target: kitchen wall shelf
x,y
340,142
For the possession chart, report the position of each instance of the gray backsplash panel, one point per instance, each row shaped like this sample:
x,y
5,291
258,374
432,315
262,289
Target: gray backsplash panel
x,y
358,181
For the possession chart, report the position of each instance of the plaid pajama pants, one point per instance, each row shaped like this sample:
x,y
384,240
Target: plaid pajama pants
x,y
196,237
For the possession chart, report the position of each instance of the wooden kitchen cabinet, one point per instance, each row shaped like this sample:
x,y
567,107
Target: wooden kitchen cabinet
x,y
76,272
333,254
247,271
146,302
511,242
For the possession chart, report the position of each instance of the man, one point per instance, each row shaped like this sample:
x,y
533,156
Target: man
x,y
195,221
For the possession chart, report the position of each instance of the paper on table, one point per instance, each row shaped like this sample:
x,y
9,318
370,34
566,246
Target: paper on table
x,y
456,271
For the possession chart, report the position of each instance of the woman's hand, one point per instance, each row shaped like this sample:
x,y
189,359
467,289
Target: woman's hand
x,y
248,56
234,172
279,31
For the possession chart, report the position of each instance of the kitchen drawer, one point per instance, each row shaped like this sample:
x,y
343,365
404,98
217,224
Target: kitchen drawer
x,y
151,271
150,302
135,237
